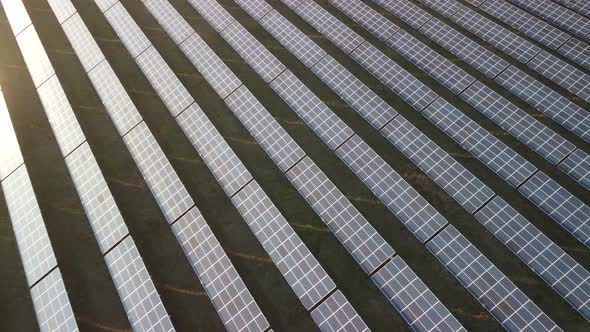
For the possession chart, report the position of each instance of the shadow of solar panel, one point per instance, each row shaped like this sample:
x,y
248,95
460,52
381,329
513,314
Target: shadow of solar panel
x,y
302,271
52,305
508,304
412,298
550,262
457,181
411,208
136,289
563,207
233,301
312,110
336,314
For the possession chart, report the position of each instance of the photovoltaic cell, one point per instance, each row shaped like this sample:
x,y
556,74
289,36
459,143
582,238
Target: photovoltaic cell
x,y
82,42
457,181
562,73
354,92
508,304
265,129
576,50
164,81
102,211
10,155
231,298
251,50
52,305
360,238
492,152
214,13
411,208
367,17
255,8
434,64
120,107
127,30
176,27
557,107
411,297
444,7
464,48
580,6
305,49
214,150
312,110
292,3
518,123
60,115
31,236
336,31
336,314
302,271
34,55
394,76
577,165
414,15
550,262
560,16
157,171
62,9
136,289
567,210
219,76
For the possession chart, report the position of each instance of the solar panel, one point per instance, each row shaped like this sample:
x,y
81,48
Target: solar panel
x,y
526,23
302,271
444,7
52,305
214,150
581,7
102,211
266,130
508,304
214,13
176,27
292,3
464,48
558,15
413,300
219,76
31,236
119,106
17,16
492,152
354,92
336,314
231,298
63,9
162,78
82,42
434,64
103,5
358,236
255,8
562,73
550,262
60,115
577,51
136,289
10,155
251,50
457,181
499,37
305,49
577,165
414,92
127,30
36,59
312,110
518,123
157,171
551,103
367,17
563,207
336,31
414,15
410,208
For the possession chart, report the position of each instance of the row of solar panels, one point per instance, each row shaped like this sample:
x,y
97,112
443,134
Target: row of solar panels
x,y
260,124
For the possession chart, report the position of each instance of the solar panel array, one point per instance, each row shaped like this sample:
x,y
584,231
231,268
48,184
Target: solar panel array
x,y
552,41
